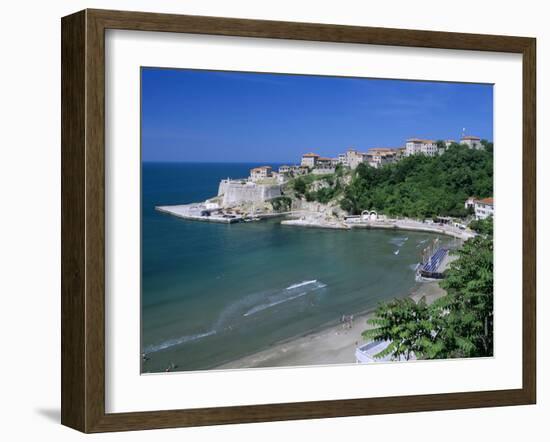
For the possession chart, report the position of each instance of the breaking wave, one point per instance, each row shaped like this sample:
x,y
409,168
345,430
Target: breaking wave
x,y
305,287
261,307
238,312
177,341
301,284
399,241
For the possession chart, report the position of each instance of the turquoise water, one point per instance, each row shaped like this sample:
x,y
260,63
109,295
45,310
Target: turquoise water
x,y
212,293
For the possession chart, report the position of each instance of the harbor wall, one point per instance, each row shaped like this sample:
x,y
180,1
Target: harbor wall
x,y
236,192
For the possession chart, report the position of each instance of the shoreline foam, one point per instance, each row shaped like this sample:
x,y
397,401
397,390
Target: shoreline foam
x,y
333,344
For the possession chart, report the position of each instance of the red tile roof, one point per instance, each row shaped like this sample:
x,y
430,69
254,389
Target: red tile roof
x,y
382,149
419,140
260,168
486,201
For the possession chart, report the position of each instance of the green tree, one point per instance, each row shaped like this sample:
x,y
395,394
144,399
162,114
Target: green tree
x,y
299,185
482,226
468,305
281,203
403,322
487,145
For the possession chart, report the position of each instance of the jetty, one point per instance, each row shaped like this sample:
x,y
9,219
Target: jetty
x,y
413,225
316,222
201,212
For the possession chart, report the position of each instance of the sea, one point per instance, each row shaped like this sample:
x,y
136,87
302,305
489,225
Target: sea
x,y
213,293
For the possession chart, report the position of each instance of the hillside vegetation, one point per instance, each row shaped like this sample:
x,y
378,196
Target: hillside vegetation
x,y
321,188
420,186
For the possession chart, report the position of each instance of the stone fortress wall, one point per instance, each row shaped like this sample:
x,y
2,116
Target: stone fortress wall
x,y
240,191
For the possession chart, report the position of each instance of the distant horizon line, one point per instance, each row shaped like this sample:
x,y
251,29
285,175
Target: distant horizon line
x,y
264,161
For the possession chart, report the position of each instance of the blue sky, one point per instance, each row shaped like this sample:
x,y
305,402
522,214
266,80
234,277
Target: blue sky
x,y
212,116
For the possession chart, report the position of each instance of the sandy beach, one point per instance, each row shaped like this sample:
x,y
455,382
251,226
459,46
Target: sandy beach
x,y
332,345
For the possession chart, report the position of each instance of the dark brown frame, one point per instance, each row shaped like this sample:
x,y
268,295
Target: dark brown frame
x,y
83,217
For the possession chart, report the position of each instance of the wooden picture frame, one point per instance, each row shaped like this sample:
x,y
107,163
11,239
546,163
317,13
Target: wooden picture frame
x,y
83,220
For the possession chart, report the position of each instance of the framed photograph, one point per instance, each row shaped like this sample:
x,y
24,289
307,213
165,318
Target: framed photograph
x,y
269,220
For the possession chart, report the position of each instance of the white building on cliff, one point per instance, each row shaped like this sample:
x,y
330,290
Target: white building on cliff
x,y
471,141
309,159
380,156
352,158
417,145
484,208
260,173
